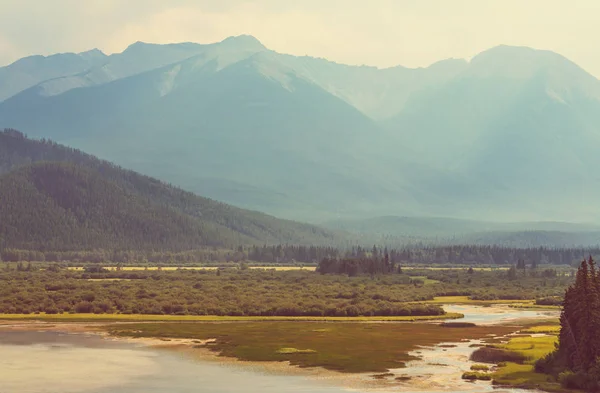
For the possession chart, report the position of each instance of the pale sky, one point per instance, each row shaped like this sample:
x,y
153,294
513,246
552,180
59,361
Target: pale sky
x,y
382,33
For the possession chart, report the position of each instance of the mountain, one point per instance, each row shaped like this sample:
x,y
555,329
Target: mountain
x,y
509,136
57,74
57,198
30,71
435,230
252,132
522,126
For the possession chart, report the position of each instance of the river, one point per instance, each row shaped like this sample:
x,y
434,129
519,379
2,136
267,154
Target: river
x,y
54,362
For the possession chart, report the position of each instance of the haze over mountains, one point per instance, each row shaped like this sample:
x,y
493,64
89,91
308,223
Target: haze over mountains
x,y
511,135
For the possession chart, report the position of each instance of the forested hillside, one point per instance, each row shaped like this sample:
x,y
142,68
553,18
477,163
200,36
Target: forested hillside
x,y
57,198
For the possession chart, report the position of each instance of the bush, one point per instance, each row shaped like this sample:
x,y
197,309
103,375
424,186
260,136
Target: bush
x,y
474,376
480,367
84,307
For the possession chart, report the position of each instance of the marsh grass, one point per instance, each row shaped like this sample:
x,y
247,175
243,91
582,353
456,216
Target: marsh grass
x,y
344,347
211,318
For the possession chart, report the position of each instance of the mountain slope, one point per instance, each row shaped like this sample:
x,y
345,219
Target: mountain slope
x,y
59,198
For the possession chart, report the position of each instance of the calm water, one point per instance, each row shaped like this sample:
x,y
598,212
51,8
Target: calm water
x,y
49,362
497,314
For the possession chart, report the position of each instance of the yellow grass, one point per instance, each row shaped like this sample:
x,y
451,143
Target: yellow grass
x,y
425,280
212,318
545,329
466,300
479,269
172,268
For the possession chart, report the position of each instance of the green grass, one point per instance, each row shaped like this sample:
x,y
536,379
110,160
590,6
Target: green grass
x,y
345,347
533,348
212,318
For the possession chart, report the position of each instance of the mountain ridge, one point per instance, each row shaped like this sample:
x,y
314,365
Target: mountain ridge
x,y
509,135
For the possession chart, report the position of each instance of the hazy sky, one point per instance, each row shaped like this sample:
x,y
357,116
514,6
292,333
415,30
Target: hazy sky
x,y
375,32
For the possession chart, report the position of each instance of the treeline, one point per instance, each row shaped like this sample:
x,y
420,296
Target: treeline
x,y
291,254
276,255
475,255
576,362
359,266
359,260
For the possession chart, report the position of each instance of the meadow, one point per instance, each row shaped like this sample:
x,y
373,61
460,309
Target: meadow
x,y
344,347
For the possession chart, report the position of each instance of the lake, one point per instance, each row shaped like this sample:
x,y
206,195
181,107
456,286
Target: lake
x,y
53,362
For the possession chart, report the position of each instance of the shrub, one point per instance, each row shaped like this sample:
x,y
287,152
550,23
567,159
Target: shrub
x,y
473,376
84,307
480,367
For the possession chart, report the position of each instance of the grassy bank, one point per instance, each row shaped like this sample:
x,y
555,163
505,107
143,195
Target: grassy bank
x,y
211,318
531,349
345,347
468,301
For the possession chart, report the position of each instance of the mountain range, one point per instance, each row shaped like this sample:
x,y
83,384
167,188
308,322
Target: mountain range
x,y
509,135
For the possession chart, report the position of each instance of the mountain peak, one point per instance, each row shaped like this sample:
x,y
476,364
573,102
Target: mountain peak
x,y
244,41
518,62
136,45
93,54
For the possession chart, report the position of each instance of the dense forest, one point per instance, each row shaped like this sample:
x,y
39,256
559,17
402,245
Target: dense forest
x,y
359,260
576,362
59,199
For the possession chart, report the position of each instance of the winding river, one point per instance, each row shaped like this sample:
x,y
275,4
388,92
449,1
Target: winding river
x,y
54,362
